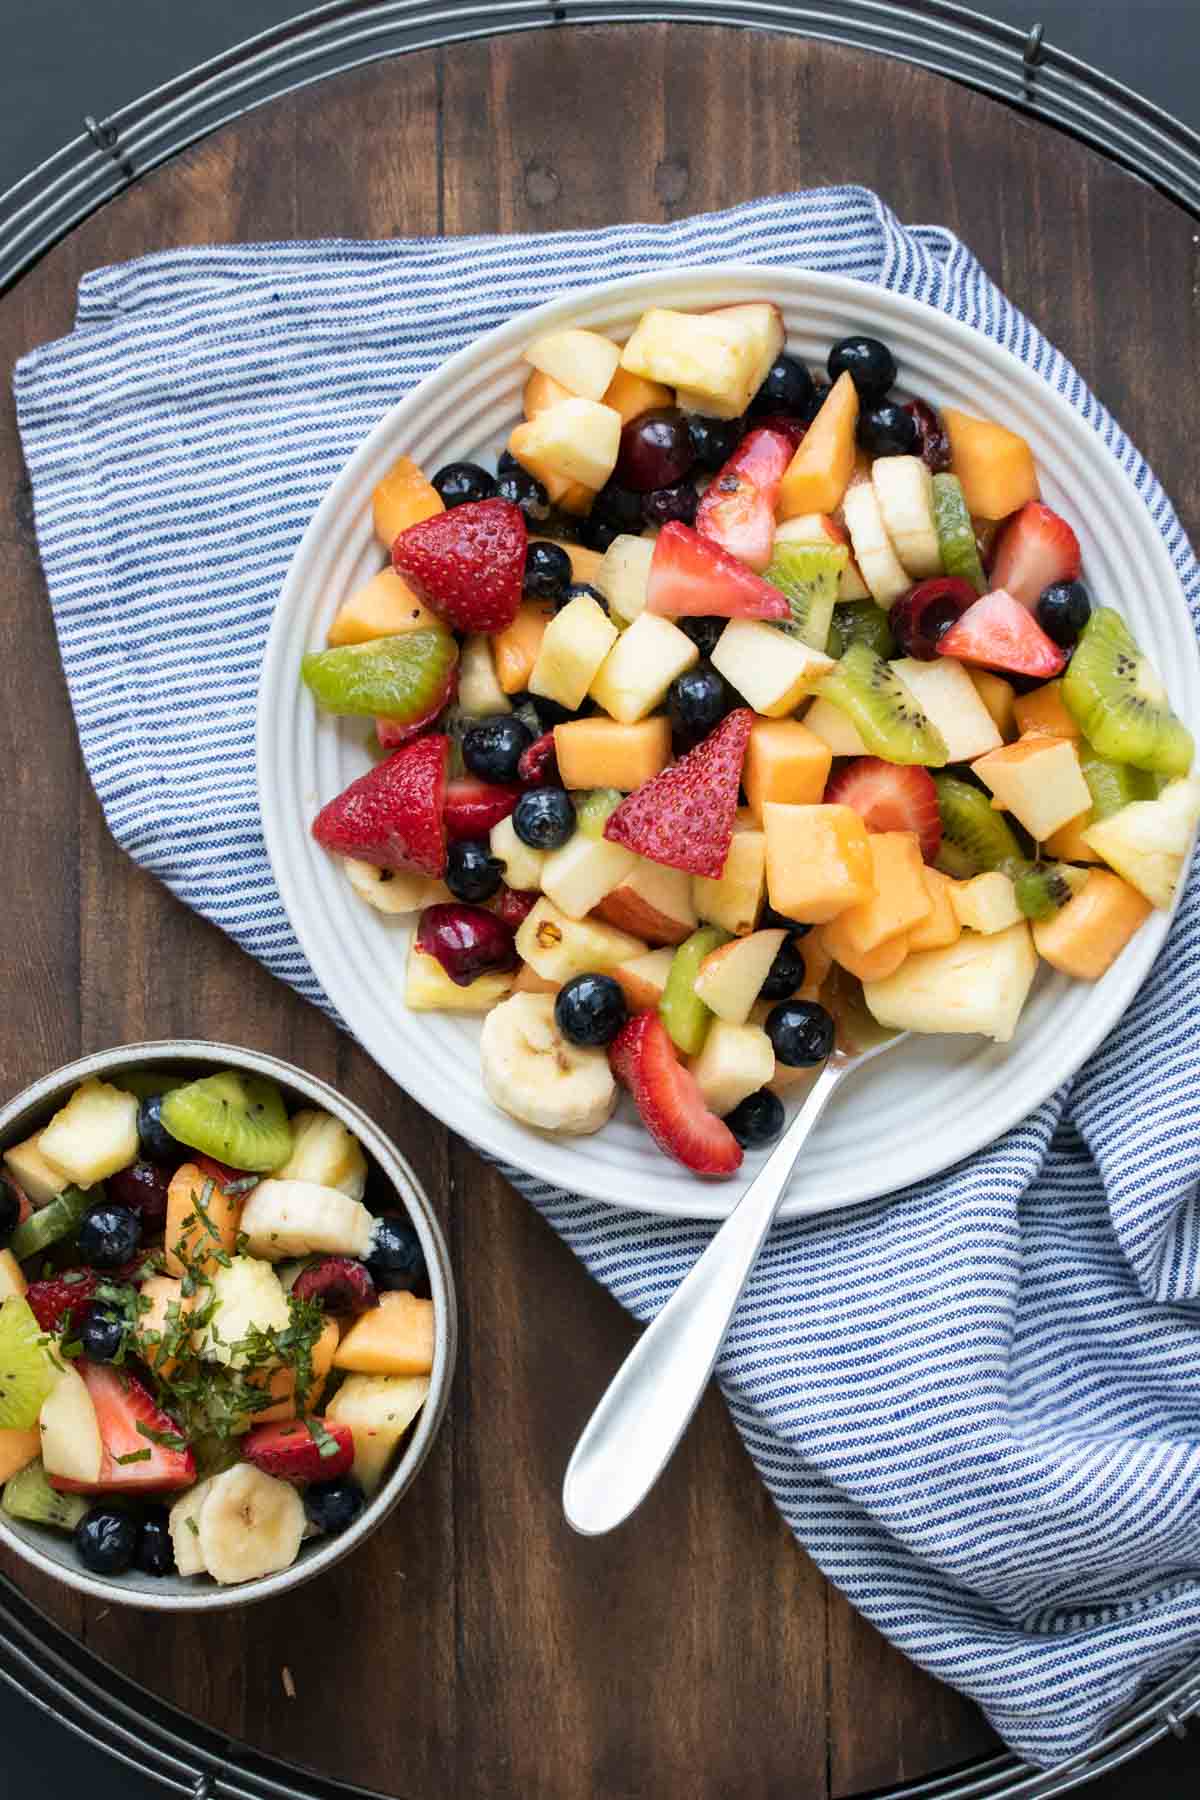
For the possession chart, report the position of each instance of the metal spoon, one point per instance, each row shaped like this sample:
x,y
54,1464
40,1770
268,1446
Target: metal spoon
x,y
632,1434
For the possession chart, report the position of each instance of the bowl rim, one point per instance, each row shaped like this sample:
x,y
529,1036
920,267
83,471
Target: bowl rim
x,y
526,1151
399,1172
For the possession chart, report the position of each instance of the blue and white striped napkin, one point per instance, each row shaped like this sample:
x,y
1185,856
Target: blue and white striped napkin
x,y
978,1409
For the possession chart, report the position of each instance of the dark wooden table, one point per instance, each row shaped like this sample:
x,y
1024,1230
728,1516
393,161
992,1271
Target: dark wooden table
x,y
476,1647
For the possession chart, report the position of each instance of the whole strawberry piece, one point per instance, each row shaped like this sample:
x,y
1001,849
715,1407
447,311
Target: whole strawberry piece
x,y
300,1449
393,815
62,1300
672,1108
684,817
467,564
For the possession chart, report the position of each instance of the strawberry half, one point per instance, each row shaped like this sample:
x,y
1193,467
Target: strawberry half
x,y
473,806
889,797
684,817
122,1404
291,1451
467,564
1035,549
392,815
62,1301
642,1058
391,733
692,578
738,509
999,633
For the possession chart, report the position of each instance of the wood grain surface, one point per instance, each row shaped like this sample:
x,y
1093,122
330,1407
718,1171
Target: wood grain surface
x,y
475,1647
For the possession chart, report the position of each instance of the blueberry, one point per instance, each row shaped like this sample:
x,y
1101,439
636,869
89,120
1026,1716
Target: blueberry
x,y
590,1010
156,1141
472,872
106,1540
493,747
507,464
109,1235
771,917
714,440
786,973
333,1505
549,712
461,482
396,1261
101,1334
871,364
887,430
524,491
547,570
671,505
801,1033
154,1554
573,590
544,818
819,395
1063,610
10,1209
598,534
615,511
757,1120
788,388
703,632
697,701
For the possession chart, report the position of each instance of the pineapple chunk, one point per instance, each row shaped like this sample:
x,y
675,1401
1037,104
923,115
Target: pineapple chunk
x,y
949,699
986,903
522,864
785,761
770,670
583,362
384,607
578,439
604,753
247,1296
994,465
624,574
818,860
38,1179
94,1134
1085,937
734,899
573,647
379,1410
1038,780
557,947
1148,841
979,984
634,677
867,965
735,1062
325,1152
428,988
480,695
718,360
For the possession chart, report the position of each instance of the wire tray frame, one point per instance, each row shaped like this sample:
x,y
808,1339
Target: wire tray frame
x,y
37,1658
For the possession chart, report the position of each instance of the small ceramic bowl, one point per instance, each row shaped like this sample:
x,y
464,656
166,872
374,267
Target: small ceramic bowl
x,y
52,1553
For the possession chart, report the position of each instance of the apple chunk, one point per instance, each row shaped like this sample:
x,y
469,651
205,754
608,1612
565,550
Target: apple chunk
x,y
653,902
578,876
729,979
772,671
950,700
634,677
578,439
735,1062
557,947
1039,781
643,979
71,1445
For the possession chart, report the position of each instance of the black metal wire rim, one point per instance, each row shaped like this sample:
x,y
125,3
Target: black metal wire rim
x,y
37,1658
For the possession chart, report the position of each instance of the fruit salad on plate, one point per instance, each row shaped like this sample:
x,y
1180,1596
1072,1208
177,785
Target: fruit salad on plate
x,y
209,1345
729,675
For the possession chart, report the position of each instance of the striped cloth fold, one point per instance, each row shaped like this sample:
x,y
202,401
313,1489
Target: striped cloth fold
x,y
977,1406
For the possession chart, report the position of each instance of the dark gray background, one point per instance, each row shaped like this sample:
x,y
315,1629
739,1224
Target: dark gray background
x,y
64,58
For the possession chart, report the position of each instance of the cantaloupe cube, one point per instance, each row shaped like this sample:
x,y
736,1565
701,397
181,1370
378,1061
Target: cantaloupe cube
x,y
1091,930
201,1238
604,753
867,965
281,1382
819,473
818,860
12,1277
401,499
1038,780
994,465
584,362
942,927
999,697
515,649
19,1448
784,762
1069,843
541,393
394,1338
1043,714
734,899
899,900
577,439
631,395
163,1292
987,903
385,606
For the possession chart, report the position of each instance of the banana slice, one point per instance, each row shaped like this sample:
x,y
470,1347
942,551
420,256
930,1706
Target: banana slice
x,y
904,489
301,1218
880,566
183,1523
393,890
250,1525
531,1071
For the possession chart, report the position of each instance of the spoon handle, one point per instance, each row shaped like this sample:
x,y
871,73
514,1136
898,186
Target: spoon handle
x,y
630,1437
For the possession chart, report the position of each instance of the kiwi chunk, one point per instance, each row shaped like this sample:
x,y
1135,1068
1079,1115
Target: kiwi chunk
x,y
808,575
29,1496
1045,888
239,1119
60,1219
684,1014
889,721
389,678
594,809
1119,702
26,1372
1112,785
860,622
955,532
975,837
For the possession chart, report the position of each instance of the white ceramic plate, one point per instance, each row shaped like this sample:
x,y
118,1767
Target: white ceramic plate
x,y
902,1119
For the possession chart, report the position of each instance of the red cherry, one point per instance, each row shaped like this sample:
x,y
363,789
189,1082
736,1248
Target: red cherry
x,y
467,941
924,615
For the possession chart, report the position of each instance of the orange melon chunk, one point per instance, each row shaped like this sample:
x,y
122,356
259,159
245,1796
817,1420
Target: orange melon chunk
x,y
867,965
515,649
401,499
631,395
1089,933
17,1450
394,1338
1042,714
994,465
185,1228
384,607
281,1381
819,474
898,902
784,762
605,753
818,860
942,928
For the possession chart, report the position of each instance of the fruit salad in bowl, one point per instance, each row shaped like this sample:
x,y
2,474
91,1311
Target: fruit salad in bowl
x,y
731,672
225,1325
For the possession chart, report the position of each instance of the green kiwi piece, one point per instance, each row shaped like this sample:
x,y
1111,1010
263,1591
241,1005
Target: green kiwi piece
x,y
684,1014
1119,702
860,622
387,678
594,809
889,721
239,1119
975,838
808,575
1112,785
1045,888
955,532
147,1083
27,1373
29,1496
60,1219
